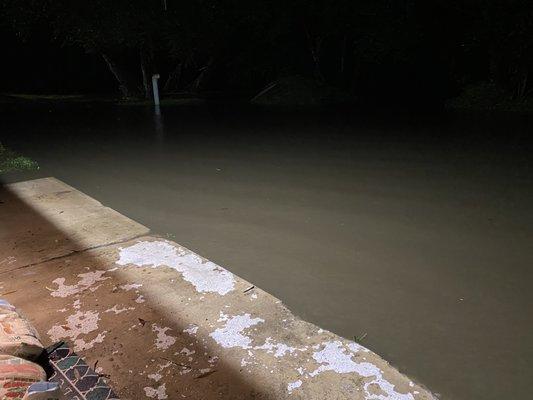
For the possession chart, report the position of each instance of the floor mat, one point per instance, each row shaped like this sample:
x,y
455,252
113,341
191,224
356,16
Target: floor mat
x,y
78,381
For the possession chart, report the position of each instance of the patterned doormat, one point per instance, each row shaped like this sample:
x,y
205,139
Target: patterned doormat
x,y
77,380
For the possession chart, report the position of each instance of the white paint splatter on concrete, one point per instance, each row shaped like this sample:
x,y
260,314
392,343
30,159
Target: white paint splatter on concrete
x,y
156,377
187,352
163,341
166,365
206,276
231,334
87,280
279,349
80,323
333,357
191,329
117,310
294,385
160,393
356,347
131,286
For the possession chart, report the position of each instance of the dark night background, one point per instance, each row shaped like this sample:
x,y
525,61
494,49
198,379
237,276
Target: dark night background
x,y
371,52
369,162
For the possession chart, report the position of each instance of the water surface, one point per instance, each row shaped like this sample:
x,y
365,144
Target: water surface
x,y
415,230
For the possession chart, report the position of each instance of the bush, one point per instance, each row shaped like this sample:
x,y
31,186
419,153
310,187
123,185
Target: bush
x,y
482,96
10,161
487,96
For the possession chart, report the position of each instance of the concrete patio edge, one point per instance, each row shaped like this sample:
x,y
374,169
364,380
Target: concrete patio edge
x,y
160,321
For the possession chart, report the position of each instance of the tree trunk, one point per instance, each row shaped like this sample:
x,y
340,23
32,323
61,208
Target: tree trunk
x,y
494,66
343,54
202,79
314,48
522,83
126,88
146,70
174,79
493,50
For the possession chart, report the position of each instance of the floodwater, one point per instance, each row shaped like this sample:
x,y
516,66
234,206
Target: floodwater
x,y
412,231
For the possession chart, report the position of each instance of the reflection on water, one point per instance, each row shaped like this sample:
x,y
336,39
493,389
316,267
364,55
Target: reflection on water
x,y
414,230
158,125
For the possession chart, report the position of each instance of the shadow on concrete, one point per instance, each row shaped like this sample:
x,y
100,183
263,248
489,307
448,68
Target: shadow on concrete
x,y
25,286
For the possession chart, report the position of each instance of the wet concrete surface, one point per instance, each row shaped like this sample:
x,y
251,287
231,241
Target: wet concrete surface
x,y
159,321
415,230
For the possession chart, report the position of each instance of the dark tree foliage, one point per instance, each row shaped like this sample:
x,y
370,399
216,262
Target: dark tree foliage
x,y
373,49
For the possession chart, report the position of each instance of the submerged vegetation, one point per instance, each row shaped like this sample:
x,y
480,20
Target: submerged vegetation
x,y
360,338
11,161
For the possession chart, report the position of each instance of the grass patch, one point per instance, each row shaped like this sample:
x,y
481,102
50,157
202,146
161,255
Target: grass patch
x,y
11,161
360,338
170,236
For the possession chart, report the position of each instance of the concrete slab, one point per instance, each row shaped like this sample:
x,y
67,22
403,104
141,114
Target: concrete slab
x,y
164,322
46,218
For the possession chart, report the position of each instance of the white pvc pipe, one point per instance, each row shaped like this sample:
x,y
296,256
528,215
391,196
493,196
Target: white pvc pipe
x,y
156,89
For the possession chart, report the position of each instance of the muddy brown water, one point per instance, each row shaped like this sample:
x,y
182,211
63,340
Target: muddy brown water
x,y
411,230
